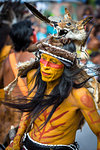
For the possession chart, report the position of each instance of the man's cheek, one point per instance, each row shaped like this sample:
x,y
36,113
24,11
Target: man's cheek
x,y
57,73
41,66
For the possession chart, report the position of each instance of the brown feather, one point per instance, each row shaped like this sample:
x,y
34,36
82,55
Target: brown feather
x,y
37,13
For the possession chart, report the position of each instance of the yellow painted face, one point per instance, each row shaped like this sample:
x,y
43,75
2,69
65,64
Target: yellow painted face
x,y
51,68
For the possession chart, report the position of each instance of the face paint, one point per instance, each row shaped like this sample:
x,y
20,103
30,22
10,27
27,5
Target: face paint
x,y
51,68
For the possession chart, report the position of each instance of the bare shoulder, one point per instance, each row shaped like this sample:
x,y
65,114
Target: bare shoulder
x,y
79,92
83,98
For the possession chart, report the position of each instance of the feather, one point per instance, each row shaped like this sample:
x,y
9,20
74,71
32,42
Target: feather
x,y
37,13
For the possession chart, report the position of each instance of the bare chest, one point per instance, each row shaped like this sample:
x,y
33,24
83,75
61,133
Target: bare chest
x,y
64,116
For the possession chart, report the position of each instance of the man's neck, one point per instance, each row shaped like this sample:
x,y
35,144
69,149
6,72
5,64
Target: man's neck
x,y
51,85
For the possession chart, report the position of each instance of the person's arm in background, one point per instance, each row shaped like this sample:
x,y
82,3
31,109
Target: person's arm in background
x,y
87,106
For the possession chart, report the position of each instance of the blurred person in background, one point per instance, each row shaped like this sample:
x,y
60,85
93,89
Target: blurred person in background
x,y
28,16
88,11
22,36
95,59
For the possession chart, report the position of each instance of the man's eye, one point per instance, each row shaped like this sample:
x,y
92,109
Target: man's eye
x,y
43,58
53,61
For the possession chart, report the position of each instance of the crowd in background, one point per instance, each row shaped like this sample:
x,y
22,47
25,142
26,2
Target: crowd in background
x,y
15,12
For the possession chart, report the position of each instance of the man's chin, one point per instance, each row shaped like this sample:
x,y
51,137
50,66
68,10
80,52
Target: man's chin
x,y
47,79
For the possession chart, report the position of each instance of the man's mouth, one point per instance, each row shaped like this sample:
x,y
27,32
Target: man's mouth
x,y
45,74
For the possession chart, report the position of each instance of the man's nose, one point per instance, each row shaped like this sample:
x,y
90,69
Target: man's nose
x,y
46,63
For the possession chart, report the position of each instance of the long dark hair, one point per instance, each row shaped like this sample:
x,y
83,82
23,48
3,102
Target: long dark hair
x,y
20,35
40,102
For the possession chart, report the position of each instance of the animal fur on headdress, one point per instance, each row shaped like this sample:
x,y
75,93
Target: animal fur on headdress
x,y
72,31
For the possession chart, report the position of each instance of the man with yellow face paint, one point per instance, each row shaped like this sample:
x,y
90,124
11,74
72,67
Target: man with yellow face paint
x,y
58,108
57,101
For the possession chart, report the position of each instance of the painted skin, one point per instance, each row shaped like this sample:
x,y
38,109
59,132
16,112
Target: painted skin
x,y
62,127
